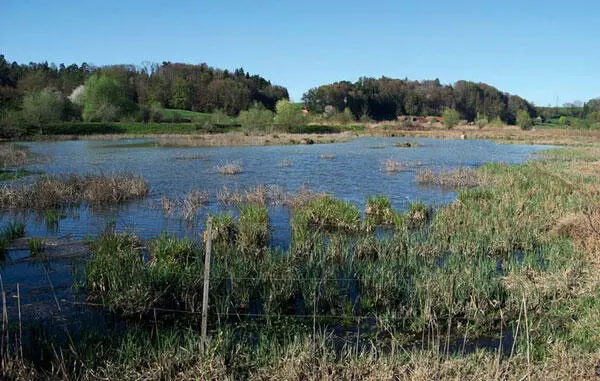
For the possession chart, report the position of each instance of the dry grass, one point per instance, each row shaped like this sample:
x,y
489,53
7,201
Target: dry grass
x,y
51,191
11,156
392,166
241,139
268,195
455,178
188,207
232,168
285,163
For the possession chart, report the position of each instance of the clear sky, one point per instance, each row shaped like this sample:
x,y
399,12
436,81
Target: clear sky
x,y
541,50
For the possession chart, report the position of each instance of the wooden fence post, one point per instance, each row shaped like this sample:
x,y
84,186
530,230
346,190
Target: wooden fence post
x,y
208,237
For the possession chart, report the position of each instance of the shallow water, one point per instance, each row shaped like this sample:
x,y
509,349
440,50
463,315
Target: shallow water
x,y
353,173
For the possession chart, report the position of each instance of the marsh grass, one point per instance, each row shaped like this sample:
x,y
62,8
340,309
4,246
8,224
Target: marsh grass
x,y
379,210
344,303
36,246
9,233
232,168
454,178
393,166
15,175
12,156
55,191
253,228
186,208
285,163
268,195
330,214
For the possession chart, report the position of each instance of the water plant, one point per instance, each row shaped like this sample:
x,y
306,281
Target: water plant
x,y
330,214
36,246
232,168
391,166
379,210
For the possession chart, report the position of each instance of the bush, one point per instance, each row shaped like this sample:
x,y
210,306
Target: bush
x,y
345,117
12,124
524,120
256,118
288,115
451,118
220,118
42,107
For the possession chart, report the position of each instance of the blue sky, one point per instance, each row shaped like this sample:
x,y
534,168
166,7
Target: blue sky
x,y
541,50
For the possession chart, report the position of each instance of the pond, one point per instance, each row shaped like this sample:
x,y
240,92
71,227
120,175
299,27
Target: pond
x,y
351,171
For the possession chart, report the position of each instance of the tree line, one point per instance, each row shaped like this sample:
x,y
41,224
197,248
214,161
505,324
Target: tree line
x,y
35,93
387,98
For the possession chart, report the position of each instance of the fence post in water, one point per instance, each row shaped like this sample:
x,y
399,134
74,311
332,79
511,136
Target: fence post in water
x,y
208,238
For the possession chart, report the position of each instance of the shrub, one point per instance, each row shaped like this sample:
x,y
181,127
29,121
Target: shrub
x,y
219,118
288,115
451,118
256,118
42,107
524,120
345,117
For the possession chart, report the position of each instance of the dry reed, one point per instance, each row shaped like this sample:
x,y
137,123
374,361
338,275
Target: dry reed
x,y
50,191
455,178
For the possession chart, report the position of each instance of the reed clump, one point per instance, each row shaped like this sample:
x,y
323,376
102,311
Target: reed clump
x,y
253,228
188,207
55,191
12,156
454,178
268,195
393,166
330,214
232,168
379,210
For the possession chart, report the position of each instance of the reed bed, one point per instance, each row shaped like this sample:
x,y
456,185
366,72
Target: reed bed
x,y
12,156
55,191
454,178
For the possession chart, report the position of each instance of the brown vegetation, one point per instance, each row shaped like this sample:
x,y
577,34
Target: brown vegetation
x,y
50,191
455,178
11,156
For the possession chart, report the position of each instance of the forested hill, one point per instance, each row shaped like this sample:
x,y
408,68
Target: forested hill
x,y
386,98
171,85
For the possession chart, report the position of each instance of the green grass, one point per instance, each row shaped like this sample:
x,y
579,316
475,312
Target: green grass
x,y
14,175
37,246
185,116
